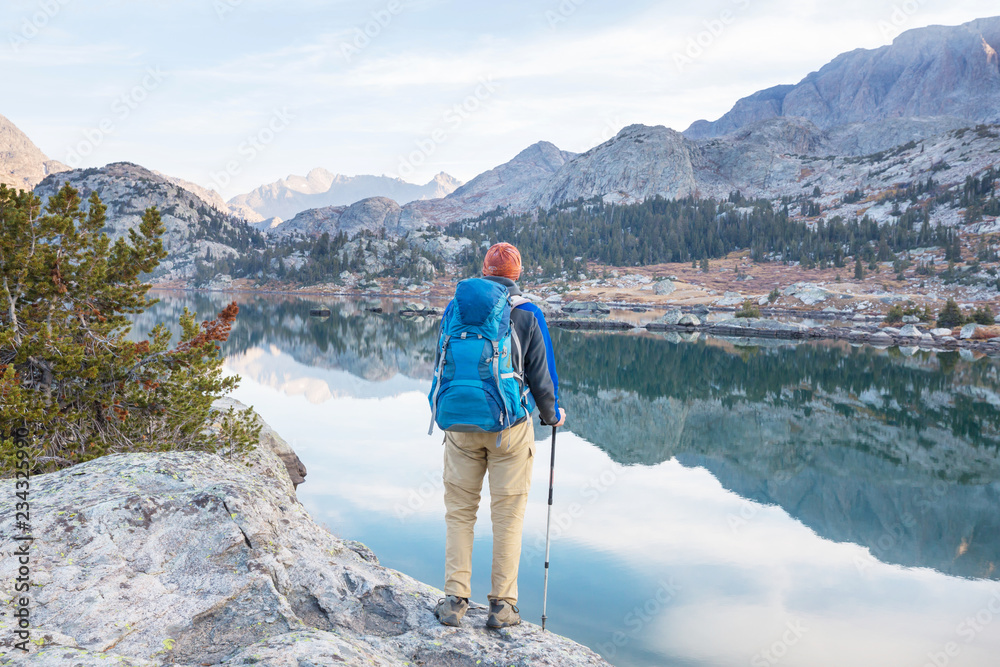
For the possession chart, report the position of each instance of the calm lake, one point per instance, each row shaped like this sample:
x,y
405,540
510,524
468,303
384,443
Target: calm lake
x,y
814,505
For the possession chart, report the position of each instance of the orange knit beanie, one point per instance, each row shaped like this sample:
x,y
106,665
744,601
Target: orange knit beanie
x,y
502,259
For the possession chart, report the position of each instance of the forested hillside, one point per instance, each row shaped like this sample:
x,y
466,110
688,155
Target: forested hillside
x,y
659,230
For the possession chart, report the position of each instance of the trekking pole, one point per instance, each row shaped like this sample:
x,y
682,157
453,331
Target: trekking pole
x,y
548,524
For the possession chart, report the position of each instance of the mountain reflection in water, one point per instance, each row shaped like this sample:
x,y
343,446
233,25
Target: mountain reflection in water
x,y
854,490
897,454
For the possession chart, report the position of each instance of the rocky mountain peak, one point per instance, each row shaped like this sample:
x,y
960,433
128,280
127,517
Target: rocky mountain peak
x,y
446,181
370,214
937,71
194,228
511,184
22,164
318,174
542,154
640,161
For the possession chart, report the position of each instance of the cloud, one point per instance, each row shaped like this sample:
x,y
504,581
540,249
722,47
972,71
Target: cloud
x,y
571,81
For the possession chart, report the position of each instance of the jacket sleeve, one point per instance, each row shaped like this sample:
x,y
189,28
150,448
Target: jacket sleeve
x,y
540,367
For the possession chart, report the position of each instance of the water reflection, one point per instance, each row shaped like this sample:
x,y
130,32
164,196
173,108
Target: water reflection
x,y
899,455
695,482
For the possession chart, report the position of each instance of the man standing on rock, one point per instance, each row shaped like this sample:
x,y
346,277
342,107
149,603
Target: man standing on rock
x,y
502,444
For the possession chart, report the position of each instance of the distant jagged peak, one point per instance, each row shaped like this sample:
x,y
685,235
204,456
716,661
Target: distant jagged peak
x,y
320,188
446,180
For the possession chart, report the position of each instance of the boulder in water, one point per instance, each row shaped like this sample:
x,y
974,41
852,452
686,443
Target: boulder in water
x,y
671,317
585,308
689,321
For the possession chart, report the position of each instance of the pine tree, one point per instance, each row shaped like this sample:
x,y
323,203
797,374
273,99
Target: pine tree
x,y
983,315
859,271
950,316
69,375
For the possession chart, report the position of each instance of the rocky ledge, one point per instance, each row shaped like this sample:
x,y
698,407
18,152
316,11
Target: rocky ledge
x,y
186,558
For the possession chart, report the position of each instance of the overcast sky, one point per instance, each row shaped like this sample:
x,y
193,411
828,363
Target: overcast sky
x,y
235,93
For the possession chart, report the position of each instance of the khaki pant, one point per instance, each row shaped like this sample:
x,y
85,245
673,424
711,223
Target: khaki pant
x,y
467,458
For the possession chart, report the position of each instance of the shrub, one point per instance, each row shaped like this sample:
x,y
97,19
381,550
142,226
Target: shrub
x,y
983,315
774,295
923,314
69,375
748,309
950,316
895,315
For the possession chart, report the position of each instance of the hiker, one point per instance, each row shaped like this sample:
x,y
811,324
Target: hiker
x,y
483,434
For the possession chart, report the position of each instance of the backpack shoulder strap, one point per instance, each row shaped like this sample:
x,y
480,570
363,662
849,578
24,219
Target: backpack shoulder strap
x,y
518,300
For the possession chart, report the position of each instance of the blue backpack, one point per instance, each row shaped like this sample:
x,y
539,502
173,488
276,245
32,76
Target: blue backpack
x,y
479,382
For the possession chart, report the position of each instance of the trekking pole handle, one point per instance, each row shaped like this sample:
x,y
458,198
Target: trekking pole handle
x,y
552,464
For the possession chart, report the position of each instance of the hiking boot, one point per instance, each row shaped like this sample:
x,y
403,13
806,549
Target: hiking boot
x,y
451,609
502,614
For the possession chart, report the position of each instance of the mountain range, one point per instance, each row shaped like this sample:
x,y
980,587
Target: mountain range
x,y
320,188
928,82
870,119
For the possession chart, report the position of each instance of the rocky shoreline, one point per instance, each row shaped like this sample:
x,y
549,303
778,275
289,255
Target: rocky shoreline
x,y
192,559
861,328
864,330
